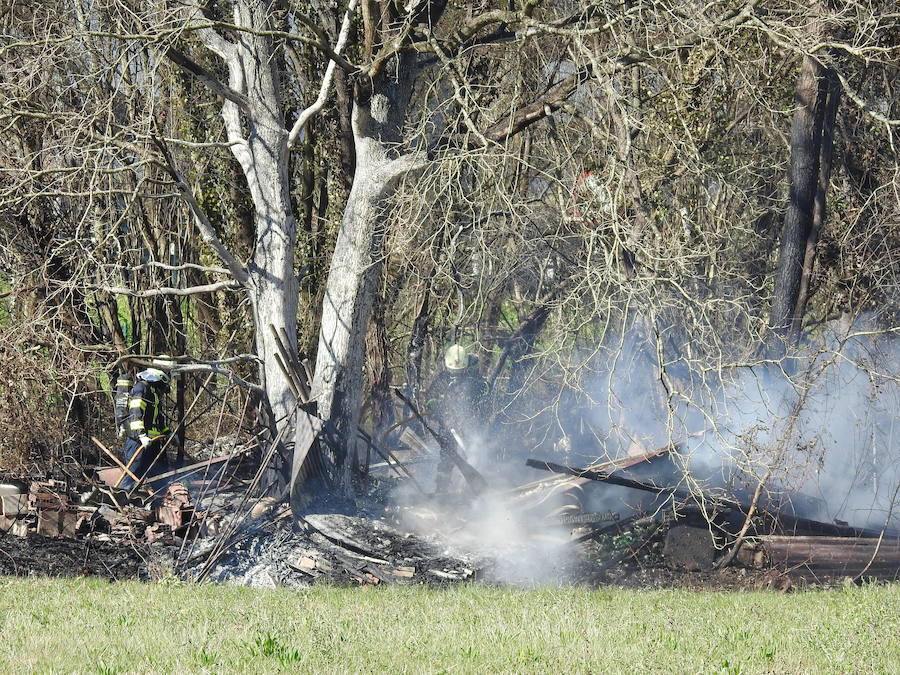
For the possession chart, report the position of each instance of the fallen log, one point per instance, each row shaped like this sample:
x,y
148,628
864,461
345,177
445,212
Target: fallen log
x,y
617,526
824,555
582,518
792,524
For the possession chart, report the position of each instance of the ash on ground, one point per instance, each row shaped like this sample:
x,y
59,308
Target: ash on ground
x,y
390,536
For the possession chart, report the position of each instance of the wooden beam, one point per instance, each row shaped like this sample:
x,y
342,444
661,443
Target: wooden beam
x,y
115,459
188,469
475,480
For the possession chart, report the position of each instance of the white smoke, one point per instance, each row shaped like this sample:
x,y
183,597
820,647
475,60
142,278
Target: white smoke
x,y
822,428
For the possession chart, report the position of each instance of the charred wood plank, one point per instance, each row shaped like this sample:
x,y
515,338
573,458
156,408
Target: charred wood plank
x,y
785,520
791,523
604,467
583,518
622,480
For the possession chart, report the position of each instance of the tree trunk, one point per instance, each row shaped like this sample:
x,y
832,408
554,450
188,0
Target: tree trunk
x,y
355,267
806,140
338,380
259,142
818,217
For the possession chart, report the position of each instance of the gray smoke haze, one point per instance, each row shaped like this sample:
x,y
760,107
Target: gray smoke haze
x,y
522,550
822,423
822,428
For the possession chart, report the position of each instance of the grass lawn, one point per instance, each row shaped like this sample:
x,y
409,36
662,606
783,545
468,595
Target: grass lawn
x,y
91,626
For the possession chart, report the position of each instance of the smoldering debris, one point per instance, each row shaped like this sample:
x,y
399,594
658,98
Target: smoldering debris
x,y
700,504
821,421
340,549
536,534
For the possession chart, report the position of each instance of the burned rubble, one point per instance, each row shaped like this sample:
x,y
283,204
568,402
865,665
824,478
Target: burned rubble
x,y
203,525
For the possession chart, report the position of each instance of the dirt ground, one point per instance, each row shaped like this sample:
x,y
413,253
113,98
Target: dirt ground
x,y
47,556
37,555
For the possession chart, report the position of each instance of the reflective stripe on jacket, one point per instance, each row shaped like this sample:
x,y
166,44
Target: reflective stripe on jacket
x,y
145,410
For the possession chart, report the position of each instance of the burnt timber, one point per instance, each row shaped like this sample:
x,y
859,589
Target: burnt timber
x,y
786,522
826,556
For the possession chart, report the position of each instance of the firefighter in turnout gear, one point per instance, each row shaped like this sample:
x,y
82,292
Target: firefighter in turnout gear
x,y
145,429
455,401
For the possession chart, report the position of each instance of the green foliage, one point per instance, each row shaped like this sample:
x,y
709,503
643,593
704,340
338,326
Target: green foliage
x,y
123,310
267,644
205,659
4,311
103,669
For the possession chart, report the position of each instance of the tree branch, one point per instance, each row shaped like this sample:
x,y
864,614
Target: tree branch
x,y
207,78
307,114
403,164
231,285
546,105
207,231
177,268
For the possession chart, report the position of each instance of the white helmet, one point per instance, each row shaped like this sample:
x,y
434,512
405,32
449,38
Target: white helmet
x,y
456,358
154,375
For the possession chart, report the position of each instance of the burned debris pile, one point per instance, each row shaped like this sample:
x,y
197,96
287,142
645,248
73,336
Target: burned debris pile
x,y
60,509
340,549
712,527
210,530
210,524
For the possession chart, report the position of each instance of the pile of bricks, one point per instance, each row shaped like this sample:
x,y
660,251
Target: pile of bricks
x,y
53,508
47,507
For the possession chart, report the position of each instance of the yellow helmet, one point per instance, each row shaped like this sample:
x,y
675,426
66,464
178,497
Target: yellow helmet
x,y
456,358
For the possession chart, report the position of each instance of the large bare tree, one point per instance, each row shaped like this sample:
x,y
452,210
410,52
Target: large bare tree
x,y
565,168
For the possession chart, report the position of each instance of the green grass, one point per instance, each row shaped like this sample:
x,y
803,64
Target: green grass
x,y
89,626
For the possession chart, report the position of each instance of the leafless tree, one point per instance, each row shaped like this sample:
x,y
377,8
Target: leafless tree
x,y
541,178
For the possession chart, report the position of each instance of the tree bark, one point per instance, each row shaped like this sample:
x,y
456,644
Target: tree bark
x,y
806,141
826,162
355,266
263,155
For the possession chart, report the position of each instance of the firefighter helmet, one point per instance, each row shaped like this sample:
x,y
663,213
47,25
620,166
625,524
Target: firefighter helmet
x,y
165,367
456,358
154,375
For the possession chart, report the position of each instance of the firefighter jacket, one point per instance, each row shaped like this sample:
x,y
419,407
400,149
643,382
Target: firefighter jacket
x,y
457,399
145,410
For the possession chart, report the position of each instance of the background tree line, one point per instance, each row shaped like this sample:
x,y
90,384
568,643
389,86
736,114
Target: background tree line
x,y
562,185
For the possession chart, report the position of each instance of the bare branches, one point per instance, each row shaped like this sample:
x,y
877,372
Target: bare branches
x,y
304,117
189,364
231,285
224,372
